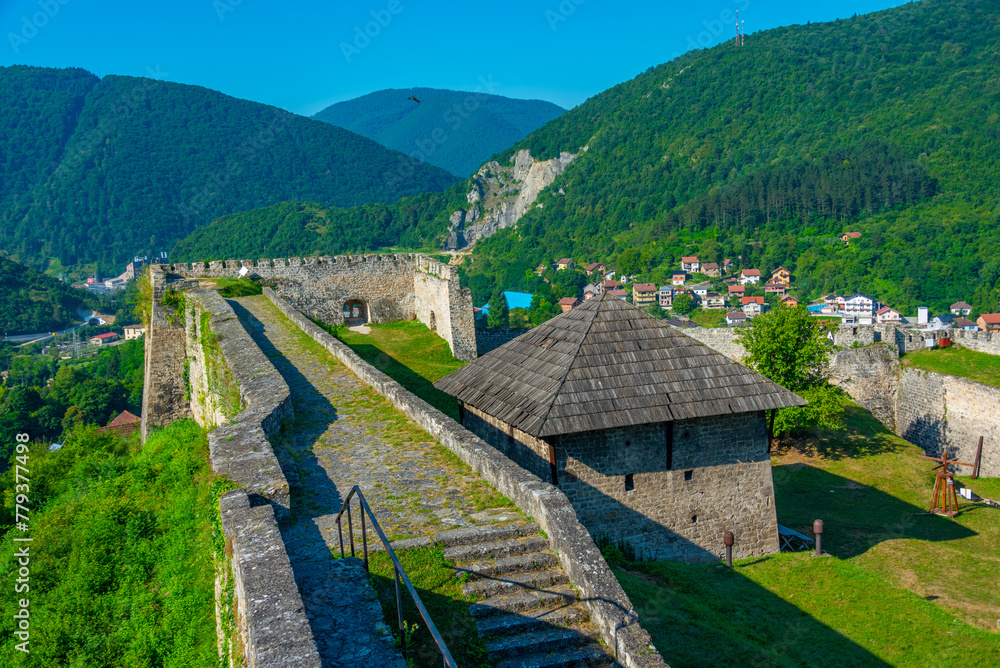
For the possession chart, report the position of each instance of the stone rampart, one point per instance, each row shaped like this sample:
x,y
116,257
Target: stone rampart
x,y
721,340
870,376
387,287
163,390
242,449
610,608
945,413
270,614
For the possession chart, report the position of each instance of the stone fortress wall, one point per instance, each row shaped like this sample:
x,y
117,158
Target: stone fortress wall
x,y
936,412
389,287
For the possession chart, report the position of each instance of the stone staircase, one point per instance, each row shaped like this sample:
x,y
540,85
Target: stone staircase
x,y
526,611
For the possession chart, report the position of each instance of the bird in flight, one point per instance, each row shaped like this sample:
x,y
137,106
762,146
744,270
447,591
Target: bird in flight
x,y
414,99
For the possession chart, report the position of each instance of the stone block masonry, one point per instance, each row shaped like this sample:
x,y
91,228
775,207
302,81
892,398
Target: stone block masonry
x,y
945,413
270,613
242,449
611,610
387,287
163,391
871,377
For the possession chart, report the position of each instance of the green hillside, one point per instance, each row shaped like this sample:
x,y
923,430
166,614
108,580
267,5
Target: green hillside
x,y
742,145
33,302
454,130
98,170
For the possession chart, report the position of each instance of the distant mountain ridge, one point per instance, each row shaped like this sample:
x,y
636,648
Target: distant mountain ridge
x,y
98,170
454,130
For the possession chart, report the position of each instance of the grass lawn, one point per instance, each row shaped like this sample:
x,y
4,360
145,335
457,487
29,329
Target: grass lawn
x,y
957,361
710,317
409,353
900,589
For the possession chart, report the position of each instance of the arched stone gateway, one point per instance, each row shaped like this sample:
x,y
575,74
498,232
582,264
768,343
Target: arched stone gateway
x,y
355,313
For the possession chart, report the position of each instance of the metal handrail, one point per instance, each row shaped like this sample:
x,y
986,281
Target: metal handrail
x,y
398,569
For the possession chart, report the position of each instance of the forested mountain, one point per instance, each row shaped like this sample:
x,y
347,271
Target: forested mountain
x,y
103,169
887,124
742,146
33,302
454,130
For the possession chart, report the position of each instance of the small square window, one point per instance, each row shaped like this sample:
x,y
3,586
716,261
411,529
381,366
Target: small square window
x,y
688,475
629,482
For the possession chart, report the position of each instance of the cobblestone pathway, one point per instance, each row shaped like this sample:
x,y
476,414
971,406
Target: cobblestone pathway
x,y
346,434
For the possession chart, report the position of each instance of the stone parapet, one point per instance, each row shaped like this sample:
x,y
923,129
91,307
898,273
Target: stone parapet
x,y
241,450
610,608
270,614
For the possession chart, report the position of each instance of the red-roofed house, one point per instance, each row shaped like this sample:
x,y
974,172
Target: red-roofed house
x,y
737,291
569,303
102,339
736,318
678,277
989,322
711,269
565,263
595,266
847,236
775,288
621,294
691,264
124,424
749,276
610,284
753,306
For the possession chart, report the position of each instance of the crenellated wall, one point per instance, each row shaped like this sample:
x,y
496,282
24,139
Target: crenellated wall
x,y
391,286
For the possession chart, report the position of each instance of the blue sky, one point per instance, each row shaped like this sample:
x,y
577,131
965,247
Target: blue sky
x,y
303,56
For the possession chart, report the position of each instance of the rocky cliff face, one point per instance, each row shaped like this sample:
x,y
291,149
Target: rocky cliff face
x,y
500,195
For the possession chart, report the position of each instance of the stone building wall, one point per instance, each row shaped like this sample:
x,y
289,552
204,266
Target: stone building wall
x,y
530,452
719,479
392,287
945,413
163,390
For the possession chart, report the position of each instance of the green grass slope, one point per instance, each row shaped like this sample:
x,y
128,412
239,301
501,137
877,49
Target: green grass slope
x,y
100,170
454,130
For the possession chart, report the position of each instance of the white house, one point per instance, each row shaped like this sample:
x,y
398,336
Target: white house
x,y
749,276
690,264
715,300
753,306
860,305
736,318
961,308
678,278
701,289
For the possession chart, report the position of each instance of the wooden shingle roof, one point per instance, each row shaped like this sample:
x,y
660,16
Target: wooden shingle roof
x,y
608,364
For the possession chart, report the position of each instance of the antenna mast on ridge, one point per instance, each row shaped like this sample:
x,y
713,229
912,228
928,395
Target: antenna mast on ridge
x,y
737,42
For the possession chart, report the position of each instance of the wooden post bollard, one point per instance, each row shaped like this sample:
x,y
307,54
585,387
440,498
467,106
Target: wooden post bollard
x,y
818,530
727,540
